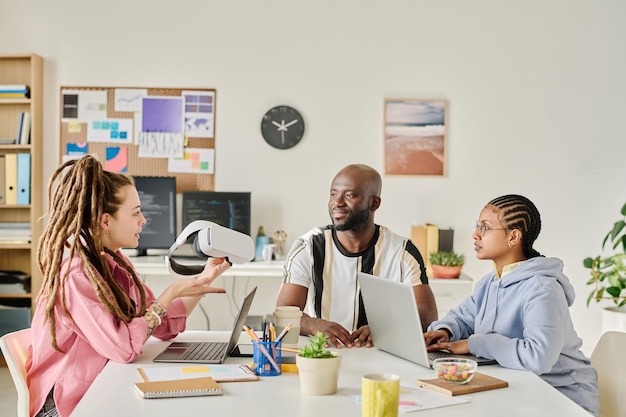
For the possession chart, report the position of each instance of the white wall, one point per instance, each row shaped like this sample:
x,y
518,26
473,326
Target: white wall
x,y
535,89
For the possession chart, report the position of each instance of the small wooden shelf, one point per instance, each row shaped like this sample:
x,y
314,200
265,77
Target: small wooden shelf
x,y
24,69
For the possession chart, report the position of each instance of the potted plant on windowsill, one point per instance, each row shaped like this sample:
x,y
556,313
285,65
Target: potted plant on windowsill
x,y
318,367
446,264
608,274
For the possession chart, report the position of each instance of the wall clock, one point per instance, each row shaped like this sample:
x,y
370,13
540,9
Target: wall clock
x,y
282,127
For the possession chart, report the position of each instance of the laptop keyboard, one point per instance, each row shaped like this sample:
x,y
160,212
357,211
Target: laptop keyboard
x,y
438,354
204,351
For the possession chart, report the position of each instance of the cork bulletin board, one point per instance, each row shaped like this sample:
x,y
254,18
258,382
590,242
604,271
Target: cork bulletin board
x,y
162,132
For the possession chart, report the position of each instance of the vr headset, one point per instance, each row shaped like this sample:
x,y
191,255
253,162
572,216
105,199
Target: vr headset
x,y
210,240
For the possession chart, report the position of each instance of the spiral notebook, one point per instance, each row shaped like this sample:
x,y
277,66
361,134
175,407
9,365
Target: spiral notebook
x,y
194,387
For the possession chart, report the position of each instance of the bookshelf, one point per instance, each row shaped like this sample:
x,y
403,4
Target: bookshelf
x,y
23,69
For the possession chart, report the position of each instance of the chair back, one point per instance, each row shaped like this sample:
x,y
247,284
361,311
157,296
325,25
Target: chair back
x,y
608,359
14,347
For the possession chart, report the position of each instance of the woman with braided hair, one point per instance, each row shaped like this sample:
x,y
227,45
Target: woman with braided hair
x,y
92,306
519,314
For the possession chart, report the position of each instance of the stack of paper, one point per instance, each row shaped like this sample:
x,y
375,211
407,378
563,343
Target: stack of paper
x,y
14,91
14,232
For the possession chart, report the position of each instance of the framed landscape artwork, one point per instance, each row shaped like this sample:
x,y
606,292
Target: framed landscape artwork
x,y
415,136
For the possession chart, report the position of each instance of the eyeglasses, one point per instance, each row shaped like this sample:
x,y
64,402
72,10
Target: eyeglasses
x,y
482,229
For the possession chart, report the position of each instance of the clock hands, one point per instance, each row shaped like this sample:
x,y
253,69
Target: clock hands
x,y
290,123
282,126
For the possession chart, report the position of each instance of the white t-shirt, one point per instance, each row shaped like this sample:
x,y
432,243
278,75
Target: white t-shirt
x,y
318,261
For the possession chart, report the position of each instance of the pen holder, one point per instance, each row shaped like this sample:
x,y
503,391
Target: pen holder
x,y
266,357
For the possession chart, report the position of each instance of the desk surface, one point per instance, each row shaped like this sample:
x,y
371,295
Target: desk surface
x,y
113,394
154,265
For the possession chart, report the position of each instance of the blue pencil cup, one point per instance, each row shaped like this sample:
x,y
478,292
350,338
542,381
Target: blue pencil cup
x,y
266,358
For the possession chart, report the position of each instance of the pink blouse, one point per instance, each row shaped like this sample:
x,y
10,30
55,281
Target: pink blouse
x,y
89,339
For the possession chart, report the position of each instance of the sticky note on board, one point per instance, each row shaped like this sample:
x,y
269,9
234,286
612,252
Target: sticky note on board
x,y
78,148
116,159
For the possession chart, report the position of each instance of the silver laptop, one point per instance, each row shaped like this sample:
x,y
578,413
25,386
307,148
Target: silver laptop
x,y
395,323
209,352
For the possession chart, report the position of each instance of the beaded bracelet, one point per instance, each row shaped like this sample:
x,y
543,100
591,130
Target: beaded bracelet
x,y
157,316
163,311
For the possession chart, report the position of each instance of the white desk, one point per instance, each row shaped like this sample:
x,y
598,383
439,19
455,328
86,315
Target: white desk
x,y
155,266
113,393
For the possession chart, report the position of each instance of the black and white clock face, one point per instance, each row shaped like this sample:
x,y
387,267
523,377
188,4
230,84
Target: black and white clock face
x,y
282,127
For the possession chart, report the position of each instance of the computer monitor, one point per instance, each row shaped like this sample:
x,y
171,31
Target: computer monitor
x,y
158,205
228,209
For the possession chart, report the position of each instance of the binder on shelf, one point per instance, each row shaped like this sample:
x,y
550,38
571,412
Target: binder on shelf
x,y
10,178
179,388
23,178
2,202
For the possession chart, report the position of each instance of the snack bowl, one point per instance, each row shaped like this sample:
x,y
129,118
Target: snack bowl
x,y
455,370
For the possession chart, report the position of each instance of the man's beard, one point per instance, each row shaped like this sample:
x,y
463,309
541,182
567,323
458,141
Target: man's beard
x,y
353,222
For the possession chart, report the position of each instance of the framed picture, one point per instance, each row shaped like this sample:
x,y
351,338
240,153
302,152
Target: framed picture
x,y
415,136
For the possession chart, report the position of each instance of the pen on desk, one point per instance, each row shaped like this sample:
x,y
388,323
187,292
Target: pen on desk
x,y
284,332
290,350
403,402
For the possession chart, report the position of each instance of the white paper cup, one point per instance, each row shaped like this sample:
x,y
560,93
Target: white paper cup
x,y
284,315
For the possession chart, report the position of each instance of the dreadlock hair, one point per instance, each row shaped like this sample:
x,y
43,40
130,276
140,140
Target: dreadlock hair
x,y
518,212
83,194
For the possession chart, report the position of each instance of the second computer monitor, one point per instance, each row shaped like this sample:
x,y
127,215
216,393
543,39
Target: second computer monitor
x,y
228,209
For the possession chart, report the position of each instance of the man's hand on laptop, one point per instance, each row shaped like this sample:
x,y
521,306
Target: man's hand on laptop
x,y
338,336
440,340
363,337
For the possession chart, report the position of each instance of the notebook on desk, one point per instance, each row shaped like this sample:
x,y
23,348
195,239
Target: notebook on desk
x,y
209,352
395,323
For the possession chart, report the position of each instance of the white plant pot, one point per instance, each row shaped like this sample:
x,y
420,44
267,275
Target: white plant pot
x,y
614,319
318,376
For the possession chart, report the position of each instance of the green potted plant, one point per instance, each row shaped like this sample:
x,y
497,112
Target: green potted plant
x,y
608,275
446,264
318,367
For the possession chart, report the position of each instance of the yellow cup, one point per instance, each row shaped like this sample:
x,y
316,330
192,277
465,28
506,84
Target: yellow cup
x,y
380,394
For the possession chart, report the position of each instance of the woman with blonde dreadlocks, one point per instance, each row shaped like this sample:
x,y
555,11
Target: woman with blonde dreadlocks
x,y
92,306
519,313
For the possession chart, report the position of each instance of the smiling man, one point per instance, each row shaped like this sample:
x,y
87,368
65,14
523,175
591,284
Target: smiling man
x,y
321,268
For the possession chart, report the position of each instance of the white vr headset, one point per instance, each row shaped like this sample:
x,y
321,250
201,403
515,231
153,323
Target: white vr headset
x,y
210,240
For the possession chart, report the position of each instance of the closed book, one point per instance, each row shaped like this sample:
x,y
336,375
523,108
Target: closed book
x,y
10,178
13,87
24,138
20,125
194,387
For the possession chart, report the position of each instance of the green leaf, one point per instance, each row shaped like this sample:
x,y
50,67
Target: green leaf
x,y
614,291
623,210
588,262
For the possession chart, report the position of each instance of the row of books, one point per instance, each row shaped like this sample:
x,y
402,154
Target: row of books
x,y
14,91
15,178
23,131
15,232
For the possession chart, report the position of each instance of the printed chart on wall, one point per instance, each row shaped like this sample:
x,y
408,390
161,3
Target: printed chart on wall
x,y
163,132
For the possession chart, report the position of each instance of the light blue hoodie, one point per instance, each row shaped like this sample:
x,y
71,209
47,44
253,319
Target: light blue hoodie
x,y
522,320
